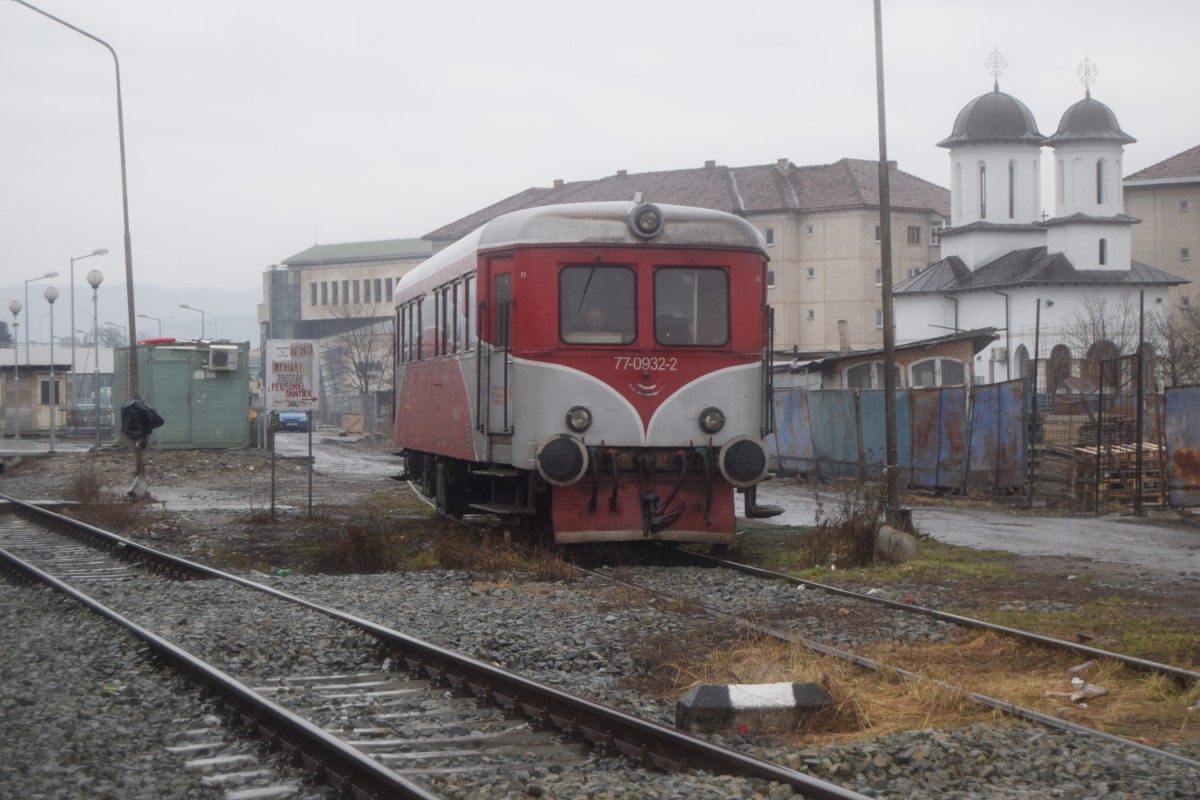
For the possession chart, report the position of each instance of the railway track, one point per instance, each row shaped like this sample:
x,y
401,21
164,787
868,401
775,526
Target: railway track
x,y
819,632
397,730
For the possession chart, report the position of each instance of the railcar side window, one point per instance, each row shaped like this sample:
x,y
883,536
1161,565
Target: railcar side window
x,y
427,321
468,312
597,304
691,306
501,308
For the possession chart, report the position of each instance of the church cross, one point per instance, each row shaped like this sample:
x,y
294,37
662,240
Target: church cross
x,y
995,64
1087,73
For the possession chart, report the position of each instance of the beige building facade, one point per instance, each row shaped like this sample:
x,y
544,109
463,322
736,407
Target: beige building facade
x,y
1166,198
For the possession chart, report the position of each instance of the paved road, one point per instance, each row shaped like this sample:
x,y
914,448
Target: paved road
x,y
1163,547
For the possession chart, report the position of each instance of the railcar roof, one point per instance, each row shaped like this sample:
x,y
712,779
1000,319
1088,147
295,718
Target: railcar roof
x,y
597,223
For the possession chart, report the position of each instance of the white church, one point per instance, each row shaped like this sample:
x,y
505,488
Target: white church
x,y
1006,266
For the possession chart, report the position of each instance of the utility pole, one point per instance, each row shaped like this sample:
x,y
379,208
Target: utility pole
x,y
891,470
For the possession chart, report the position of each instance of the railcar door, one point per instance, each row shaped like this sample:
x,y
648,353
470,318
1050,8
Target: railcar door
x,y
497,421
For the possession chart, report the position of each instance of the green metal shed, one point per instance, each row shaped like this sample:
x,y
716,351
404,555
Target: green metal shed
x,y
201,389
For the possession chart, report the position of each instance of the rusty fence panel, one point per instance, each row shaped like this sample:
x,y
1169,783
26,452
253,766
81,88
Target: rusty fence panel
x,y
873,433
833,428
1181,420
998,424
939,437
791,443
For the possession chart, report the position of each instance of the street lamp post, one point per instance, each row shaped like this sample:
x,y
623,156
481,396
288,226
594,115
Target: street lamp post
x,y
15,308
131,380
156,319
202,312
51,294
72,393
95,278
27,282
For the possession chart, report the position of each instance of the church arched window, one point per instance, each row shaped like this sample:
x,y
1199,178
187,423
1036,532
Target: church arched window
x,y
1103,252
1058,369
1012,189
1022,362
1100,182
982,190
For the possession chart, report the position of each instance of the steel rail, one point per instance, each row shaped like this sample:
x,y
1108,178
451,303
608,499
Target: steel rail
x,y
996,704
609,731
1183,676
343,766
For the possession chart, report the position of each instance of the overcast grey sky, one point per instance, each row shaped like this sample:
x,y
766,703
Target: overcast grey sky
x,y
255,128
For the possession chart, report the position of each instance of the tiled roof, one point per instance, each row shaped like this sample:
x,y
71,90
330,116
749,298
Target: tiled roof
x,y
848,183
361,251
1031,266
1181,166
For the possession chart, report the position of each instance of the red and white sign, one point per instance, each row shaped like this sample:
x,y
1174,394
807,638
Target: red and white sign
x,y
292,371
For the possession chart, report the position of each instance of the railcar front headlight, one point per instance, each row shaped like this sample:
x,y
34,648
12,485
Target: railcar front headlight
x,y
579,419
646,220
561,460
711,420
743,461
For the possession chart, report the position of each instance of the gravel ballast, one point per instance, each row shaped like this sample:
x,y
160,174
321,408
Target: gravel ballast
x,y
561,634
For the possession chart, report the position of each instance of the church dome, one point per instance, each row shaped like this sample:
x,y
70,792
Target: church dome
x,y
1089,119
993,117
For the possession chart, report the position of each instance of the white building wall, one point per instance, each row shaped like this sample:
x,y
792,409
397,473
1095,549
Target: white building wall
x,y
1011,196
1081,244
1078,166
977,248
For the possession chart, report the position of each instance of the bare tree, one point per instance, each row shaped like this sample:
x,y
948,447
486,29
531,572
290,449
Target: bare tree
x,y
112,336
1099,319
6,337
364,348
1176,338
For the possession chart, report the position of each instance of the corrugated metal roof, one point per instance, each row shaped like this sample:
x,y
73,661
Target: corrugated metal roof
x,y
848,183
362,251
1031,266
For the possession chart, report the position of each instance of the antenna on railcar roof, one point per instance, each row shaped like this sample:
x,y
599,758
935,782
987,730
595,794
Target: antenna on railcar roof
x,y
637,197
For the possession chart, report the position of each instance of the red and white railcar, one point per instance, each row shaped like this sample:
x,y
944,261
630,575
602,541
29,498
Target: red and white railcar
x,y
598,369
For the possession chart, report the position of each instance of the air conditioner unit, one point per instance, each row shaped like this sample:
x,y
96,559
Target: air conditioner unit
x,y
223,359
1000,354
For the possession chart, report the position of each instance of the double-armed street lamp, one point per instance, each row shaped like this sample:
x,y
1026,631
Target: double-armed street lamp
x,y
202,312
72,393
159,321
51,294
95,278
15,308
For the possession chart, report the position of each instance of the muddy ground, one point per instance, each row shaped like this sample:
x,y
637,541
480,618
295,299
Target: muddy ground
x,y
214,505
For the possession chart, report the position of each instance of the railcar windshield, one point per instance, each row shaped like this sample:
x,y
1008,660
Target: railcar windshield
x,y
597,304
691,306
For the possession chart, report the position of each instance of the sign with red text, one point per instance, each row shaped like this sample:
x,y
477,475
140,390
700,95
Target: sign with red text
x,y
292,370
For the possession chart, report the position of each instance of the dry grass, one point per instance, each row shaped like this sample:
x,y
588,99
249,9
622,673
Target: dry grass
x,y
98,502
844,536
872,704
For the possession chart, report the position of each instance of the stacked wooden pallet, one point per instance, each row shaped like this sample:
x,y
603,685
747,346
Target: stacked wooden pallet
x,y
1107,475
1054,473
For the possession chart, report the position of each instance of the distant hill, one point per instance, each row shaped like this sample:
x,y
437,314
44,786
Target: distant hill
x,y
229,313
